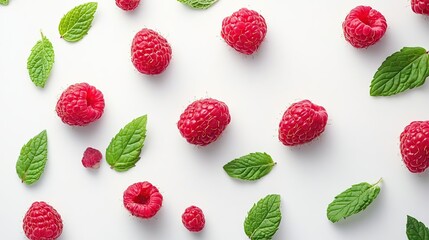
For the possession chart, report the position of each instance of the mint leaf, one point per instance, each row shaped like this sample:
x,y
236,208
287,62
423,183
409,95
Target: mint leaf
x,y
32,159
401,71
198,4
77,22
416,230
4,2
250,167
40,61
352,201
124,150
263,220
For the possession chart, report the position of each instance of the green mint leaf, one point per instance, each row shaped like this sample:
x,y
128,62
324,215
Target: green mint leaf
x,y
198,4
401,71
40,61
416,230
32,159
352,201
124,150
4,2
77,22
250,167
264,218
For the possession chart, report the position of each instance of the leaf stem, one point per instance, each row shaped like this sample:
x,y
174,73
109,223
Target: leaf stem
x,y
379,181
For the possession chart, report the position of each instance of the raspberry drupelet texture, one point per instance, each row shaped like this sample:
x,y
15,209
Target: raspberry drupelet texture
x,y
364,26
80,104
302,122
203,121
150,52
91,158
193,219
127,5
414,144
244,30
420,6
142,199
42,222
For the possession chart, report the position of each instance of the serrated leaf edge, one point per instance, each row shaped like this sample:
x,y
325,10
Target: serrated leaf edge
x,y
44,40
386,60
370,188
413,222
271,164
42,134
197,4
121,166
261,201
69,12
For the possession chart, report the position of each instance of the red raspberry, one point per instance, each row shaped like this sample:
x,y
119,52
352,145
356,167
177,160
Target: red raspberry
x,y
244,30
91,158
150,52
193,219
302,122
203,121
415,146
142,199
42,222
420,6
127,5
364,26
80,104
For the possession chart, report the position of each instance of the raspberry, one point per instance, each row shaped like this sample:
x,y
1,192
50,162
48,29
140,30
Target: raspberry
x,y
302,122
142,199
127,5
244,30
203,121
420,6
193,219
415,146
91,158
80,104
42,222
364,26
150,52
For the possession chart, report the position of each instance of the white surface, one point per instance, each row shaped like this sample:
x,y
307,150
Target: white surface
x,y
304,56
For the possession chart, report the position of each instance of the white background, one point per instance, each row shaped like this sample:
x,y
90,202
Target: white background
x,y
304,56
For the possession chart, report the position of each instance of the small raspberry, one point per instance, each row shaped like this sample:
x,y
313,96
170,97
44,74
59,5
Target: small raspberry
x,y
80,104
364,26
420,6
302,122
244,30
91,158
142,199
203,121
127,5
150,52
42,222
193,219
415,146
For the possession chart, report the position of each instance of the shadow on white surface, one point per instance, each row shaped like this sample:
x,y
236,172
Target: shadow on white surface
x,y
158,79
423,21
153,228
420,178
207,153
197,235
91,129
314,149
254,62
